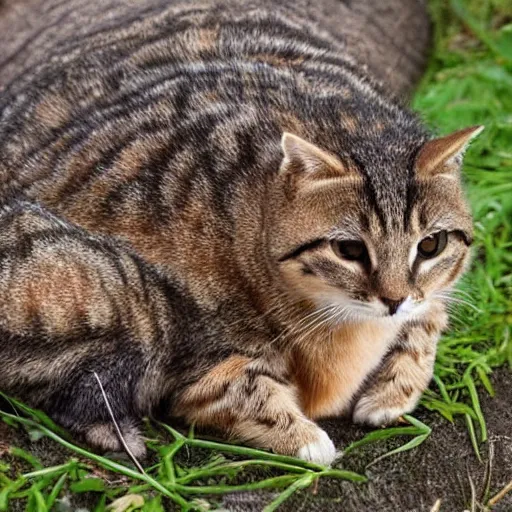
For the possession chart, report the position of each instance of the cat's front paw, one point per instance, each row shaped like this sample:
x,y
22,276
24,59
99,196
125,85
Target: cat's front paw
x,y
320,451
382,408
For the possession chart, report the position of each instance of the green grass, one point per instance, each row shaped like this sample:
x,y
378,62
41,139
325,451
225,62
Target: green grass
x,y
468,82
169,481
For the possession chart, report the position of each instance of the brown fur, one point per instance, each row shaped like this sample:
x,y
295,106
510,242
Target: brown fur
x,y
249,405
180,184
352,352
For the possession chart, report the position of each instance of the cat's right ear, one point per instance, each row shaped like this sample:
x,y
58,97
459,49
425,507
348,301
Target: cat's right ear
x,y
443,156
306,163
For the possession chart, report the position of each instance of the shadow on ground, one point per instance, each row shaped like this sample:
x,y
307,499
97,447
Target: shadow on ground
x,y
443,467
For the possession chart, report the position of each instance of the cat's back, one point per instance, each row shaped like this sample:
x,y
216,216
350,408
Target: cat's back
x,y
131,116
390,37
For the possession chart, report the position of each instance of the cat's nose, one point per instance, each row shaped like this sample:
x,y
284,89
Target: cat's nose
x,y
392,304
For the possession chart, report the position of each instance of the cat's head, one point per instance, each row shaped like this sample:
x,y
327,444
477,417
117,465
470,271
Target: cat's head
x,y
371,244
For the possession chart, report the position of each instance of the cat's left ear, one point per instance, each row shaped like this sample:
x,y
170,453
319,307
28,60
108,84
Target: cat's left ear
x,y
443,156
308,162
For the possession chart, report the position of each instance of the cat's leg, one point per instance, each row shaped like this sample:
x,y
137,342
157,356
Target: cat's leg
x,y
72,307
252,402
81,408
105,437
405,372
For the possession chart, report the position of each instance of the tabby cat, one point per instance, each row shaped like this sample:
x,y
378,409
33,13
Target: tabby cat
x,y
223,210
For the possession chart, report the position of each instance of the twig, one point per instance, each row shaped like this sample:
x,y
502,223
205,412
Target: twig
x,y
488,474
473,491
436,507
499,496
118,430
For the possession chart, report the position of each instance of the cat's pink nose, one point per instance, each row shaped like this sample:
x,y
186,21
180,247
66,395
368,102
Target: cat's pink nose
x,y
392,304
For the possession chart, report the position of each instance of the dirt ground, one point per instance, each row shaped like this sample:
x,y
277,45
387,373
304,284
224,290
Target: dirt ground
x,y
440,468
443,467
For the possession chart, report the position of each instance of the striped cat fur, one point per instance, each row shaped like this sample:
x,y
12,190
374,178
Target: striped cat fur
x,y
224,209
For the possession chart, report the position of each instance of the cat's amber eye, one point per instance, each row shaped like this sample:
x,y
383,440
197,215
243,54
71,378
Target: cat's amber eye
x,y
433,244
352,250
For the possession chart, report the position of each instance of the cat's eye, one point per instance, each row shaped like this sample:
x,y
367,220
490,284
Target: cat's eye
x,y
352,250
433,244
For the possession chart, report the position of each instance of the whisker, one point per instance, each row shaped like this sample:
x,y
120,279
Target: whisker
x,y
342,315
457,300
322,309
461,292
316,327
328,317
295,329
314,323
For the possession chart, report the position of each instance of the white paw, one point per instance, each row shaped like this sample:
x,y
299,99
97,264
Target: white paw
x,y
321,451
368,412
135,443
376,416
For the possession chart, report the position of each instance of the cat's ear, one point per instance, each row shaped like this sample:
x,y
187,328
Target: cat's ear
x,y
443,156
305,160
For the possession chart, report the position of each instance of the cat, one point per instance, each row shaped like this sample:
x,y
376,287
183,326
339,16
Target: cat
x,y
225,212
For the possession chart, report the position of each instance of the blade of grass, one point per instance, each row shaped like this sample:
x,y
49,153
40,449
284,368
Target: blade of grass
x,y
476,406
196,475
268,483
472,436
55,492
62,468
301,483
413,443
243,450
26,456
423,431
380,435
